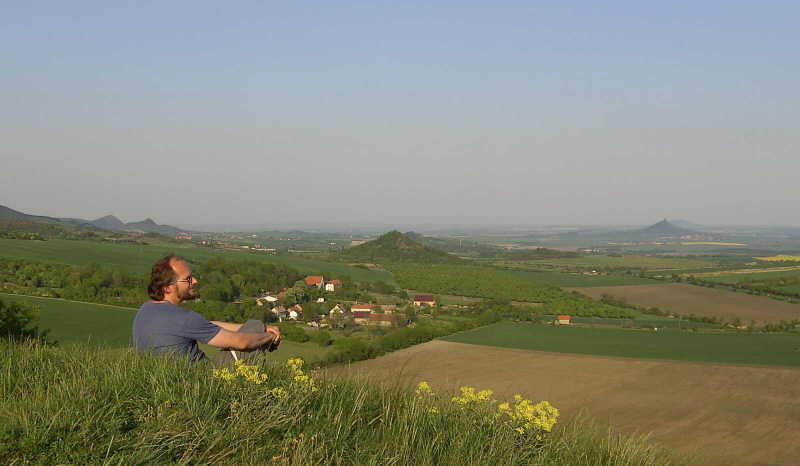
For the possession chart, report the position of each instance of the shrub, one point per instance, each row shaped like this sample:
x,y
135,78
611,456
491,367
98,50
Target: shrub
x,y
18,320
293,332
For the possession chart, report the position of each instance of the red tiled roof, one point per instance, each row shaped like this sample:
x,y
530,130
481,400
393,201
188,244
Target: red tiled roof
x,y
424,298
361,314
313,279
379,317
563,317
362,307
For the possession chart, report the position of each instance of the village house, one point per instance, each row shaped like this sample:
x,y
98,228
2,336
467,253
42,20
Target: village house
x,y
315,280
266,300
361,313
280,313
295,312
337,309
332,285
563,320
424,300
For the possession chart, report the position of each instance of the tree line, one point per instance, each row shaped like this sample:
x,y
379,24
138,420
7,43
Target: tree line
x,y
485,282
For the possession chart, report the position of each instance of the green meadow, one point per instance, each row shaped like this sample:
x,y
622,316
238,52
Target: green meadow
x,y
734,348
758,276
138,258
76,322
623,261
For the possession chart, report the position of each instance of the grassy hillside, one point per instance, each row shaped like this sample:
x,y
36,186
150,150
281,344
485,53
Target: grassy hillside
x,y
138,258
79,406
766,349
397,247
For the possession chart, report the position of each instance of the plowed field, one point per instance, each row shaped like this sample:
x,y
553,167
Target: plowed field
x,y
689,299
720,414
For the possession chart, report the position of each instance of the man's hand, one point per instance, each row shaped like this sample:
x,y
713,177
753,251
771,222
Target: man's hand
x,y
275,341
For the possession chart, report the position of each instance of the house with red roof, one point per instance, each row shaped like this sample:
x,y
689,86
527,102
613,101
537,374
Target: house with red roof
x,y
361,313
315,280
563,319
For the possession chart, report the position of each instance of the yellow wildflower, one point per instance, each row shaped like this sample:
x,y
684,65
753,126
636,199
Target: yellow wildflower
x,y
279,392
424,389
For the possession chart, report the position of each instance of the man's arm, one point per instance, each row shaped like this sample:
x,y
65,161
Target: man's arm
x,y
240,341
227,325
231,327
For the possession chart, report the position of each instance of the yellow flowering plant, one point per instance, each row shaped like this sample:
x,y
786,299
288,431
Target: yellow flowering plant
x,y
247,372
522,416
299,377
526,417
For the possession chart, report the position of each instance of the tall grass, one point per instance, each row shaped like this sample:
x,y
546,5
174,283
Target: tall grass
x,y
80,405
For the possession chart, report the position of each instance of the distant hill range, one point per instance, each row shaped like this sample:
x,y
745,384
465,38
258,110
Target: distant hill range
x,y
109,222
395,246
666,228
7,213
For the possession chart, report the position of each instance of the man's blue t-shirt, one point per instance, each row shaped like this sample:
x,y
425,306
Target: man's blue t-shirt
x,y
167,328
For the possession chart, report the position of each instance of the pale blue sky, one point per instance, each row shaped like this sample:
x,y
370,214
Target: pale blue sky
x,y
424,112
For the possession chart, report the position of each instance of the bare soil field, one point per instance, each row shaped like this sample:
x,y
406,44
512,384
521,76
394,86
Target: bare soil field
x,y
715,413
701,301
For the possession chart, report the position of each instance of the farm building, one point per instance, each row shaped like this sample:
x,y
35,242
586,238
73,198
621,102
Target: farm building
x,y
563,319
424,300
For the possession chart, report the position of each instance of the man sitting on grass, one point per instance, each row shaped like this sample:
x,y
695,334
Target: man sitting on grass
x,y
162,326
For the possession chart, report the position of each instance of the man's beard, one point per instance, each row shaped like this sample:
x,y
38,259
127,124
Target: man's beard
x,y
189,294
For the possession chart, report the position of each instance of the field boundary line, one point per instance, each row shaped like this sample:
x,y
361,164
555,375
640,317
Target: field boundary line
x,y
628,358
69,301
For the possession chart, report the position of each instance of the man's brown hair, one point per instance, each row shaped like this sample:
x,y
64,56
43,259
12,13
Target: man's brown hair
x,y
161,275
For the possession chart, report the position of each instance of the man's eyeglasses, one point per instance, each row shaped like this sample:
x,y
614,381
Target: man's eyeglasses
x,y
188,279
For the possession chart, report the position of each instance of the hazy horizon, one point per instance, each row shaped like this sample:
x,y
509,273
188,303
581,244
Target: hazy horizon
x,y
413,114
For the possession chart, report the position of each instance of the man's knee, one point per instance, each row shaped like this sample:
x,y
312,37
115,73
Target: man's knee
x,y
252,326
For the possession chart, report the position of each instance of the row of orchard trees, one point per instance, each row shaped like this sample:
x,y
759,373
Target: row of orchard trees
x,y
88,282
486,282
220,281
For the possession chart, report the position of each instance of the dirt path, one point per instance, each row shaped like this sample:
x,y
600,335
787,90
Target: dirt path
x,y
724,414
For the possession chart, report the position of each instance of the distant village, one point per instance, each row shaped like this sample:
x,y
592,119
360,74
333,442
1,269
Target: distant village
x,y
340,313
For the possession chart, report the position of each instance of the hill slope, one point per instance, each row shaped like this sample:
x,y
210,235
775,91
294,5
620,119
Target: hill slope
x,y
7,213
666,228
149,226
109,222
395,246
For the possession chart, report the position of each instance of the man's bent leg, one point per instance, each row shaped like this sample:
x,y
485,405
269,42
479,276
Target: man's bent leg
x,y
229,356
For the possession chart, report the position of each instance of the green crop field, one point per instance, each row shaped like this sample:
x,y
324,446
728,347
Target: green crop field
x,y
756,276
139,258
73,322
765,349
632,261
579,279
